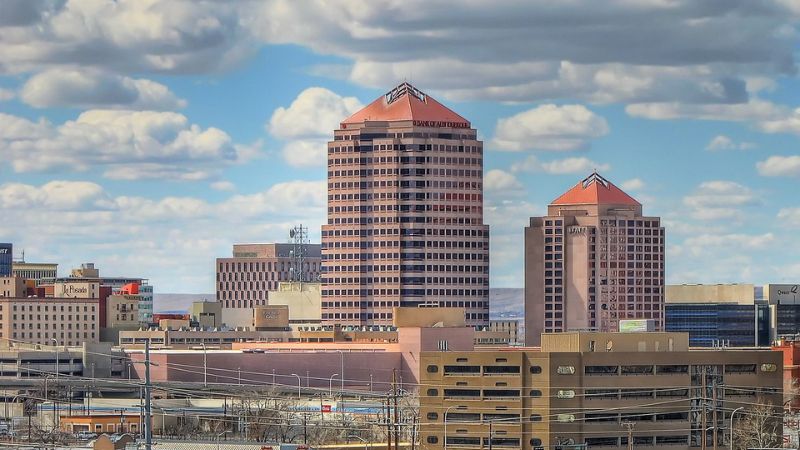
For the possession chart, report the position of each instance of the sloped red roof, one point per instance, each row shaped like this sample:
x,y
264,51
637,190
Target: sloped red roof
x,y
405,102
595,190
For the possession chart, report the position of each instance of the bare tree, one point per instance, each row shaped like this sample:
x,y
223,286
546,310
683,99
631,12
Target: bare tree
x,y
759,427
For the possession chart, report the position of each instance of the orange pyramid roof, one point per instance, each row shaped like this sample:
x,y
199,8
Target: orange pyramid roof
x,y
595,190
405,102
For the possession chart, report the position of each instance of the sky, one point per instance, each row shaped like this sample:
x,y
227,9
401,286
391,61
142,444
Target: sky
x,y
148,136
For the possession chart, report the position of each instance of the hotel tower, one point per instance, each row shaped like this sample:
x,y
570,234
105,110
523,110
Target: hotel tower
x,y
592,261
405,213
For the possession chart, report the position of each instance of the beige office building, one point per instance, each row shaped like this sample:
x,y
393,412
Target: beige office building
x,y
405,213
71,321
581,389
12,286
592,261
244,281
34,271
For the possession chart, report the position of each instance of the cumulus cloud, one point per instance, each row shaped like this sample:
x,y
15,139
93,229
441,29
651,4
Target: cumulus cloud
x,y
224,186
549,127
88,88
128,35
634,184
522,51
719,199
172,239
123,144
529,51
500,180
307,124
779,166
566,166
722,142
789,216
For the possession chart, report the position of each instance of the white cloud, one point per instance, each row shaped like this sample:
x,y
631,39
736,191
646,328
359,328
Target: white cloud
x,y
500,180
779,166
123,144
534,51
714,200
634,184
223,186
566,166
789,216
88,88
755,110
172,240
308,123
722,142
521,51
127,35
698,244
787,123
315,112
549,127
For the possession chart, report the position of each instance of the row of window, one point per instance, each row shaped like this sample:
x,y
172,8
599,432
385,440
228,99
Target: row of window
x,y
389,304
56,308
459,186
409,292
461,232
407,147
405,160
405,172
407,268
453,221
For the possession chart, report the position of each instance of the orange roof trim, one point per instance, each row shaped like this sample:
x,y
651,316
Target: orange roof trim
x,y
405,102
595,190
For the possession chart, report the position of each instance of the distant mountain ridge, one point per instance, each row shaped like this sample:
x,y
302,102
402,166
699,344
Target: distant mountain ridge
x,y
505,303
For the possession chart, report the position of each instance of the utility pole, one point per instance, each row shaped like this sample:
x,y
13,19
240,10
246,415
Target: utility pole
x,y
148,420
491,431
714,411
396,419
388,424
629,426
305,428
703,424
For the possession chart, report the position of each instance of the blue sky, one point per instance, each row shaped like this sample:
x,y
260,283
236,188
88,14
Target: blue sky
x,y
148,136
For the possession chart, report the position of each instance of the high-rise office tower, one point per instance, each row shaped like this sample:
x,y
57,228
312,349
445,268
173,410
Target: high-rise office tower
x,y
405,213
592,261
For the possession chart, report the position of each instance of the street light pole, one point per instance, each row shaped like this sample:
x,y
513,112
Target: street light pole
x,y
330,385
239,374
445,424
220,435
299,385
359,438
55,420
733,414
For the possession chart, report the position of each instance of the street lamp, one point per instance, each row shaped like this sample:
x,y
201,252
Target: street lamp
x,y
359,438
239,374
220,435
205,366
733,414
299,384
330,385
445,423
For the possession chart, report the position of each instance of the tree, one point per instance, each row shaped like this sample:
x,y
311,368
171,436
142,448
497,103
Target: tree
x,y
759,427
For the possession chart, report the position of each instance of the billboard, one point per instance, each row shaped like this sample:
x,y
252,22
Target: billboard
x,y
276,316
786,294
636,325
6,256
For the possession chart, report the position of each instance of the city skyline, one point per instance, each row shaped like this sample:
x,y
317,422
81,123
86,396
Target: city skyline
x,y
150,152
